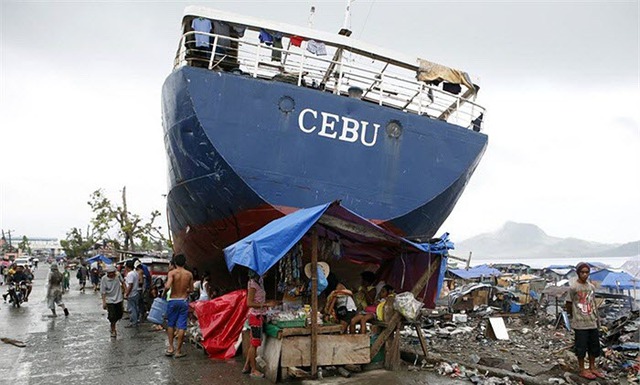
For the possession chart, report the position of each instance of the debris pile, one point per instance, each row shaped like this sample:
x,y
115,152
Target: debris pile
x,y
534,346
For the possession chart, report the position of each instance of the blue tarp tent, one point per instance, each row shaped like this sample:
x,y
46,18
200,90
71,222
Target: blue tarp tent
x,y
476,272
101,258
262,249
400,262
623,281
599,275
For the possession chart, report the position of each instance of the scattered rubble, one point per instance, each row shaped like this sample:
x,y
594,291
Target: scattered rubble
x,y
539,348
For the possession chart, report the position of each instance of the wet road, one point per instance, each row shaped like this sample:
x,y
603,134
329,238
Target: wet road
x,y
78,350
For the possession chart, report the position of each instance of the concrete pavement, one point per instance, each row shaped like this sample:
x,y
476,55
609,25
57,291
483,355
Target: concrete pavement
x,y
78,350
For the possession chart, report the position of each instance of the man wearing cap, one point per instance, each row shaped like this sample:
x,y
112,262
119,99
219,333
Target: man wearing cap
x,y
131,293
112,289
144,281
585,322
54,291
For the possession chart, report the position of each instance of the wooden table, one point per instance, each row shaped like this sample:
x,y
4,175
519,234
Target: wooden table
x,y
292,349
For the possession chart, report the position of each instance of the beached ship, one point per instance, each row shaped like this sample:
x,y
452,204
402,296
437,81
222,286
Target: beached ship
x,y
263,118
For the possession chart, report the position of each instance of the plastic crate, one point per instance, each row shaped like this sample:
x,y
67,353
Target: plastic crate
x,y
297,323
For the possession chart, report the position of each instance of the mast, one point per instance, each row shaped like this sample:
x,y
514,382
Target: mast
x,y
312,12
347,16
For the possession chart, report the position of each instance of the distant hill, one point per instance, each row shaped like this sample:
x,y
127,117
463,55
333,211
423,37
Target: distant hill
x,y
523,240
625,250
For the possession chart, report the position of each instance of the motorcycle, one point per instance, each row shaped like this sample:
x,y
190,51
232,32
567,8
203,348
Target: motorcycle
x,y
17,293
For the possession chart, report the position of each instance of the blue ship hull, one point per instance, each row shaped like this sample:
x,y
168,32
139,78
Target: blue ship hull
x,y
243,151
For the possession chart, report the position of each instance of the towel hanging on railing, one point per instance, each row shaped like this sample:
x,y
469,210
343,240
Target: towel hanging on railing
x,y
316,47
201,25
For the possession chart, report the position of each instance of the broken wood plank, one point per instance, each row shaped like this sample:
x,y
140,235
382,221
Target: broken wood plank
x,y
271,354
298,373
392,350
423,342
396,317
13,342
338,349
288,332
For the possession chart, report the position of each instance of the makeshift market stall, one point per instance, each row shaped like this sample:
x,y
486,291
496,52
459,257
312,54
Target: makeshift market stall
x,y
339,237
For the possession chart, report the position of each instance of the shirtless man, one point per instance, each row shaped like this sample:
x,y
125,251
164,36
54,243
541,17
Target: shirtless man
x,y
180,282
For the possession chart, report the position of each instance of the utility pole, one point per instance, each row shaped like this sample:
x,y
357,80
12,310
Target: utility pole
x,y
10,246
312,12
347,15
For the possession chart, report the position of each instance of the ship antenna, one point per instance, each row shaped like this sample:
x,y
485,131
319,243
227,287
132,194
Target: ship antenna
x,y
347,16
312,12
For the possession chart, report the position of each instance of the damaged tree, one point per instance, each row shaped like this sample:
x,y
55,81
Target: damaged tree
x,y
132,231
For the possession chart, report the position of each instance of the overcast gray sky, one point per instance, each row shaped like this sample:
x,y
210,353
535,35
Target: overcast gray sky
x,y
80,104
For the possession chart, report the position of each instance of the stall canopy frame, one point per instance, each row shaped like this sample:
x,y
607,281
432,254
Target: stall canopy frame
x,y
400,261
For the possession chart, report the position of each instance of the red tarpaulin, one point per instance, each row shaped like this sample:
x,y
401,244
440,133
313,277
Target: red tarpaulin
x,y
221,320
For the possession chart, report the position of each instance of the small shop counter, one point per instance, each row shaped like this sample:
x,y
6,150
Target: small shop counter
x,y
291,348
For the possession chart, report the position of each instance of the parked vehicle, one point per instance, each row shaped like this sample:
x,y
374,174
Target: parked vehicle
x,y
158,267
23,261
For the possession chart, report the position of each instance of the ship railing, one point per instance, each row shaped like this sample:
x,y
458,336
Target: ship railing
x,y
340,72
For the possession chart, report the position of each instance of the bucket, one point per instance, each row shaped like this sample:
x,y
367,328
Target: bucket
x,y
158,311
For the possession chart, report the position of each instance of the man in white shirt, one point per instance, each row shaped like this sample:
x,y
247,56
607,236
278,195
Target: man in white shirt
x,y
132,293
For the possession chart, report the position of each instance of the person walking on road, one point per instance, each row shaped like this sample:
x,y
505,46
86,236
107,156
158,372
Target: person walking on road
x,y
54,291
66,277
585,322
180,282
112,288
82,275
132,293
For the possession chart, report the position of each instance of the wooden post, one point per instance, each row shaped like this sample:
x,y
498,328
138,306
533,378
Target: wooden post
x,y
396,317
423,342
314,303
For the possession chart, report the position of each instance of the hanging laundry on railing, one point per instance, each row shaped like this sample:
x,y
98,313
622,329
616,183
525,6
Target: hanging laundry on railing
x,y
451,88
272,38
433,73
201,24
296,41
276,54
223,29
239,29
265,37
316,47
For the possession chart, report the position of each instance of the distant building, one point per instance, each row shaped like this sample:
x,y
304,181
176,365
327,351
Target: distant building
x,y
39,246
555,273
512,268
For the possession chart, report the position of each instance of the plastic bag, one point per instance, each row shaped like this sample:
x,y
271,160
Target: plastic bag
x,y
322,281
406,304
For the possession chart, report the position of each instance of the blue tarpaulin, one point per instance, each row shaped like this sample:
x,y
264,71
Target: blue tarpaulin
x,y
476,272
623,281
262,249
101,258
599,275
400,262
